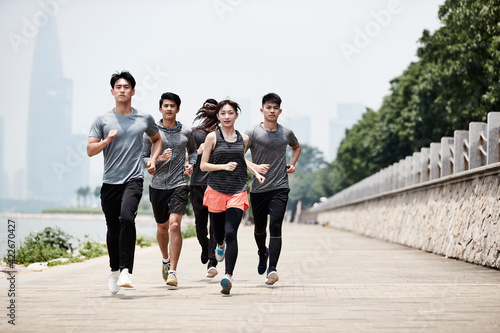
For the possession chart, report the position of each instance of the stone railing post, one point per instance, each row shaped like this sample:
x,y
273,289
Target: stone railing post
x,y
395,176
425,161
445,164
460,151
408,171
434,155
401,173
493,137
477,143
417,168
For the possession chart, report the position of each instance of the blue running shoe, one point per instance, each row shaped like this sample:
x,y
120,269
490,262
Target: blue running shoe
x,y
220,251
261,268
226,284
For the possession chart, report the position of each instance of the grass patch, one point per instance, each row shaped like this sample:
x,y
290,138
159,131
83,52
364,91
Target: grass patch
x,y
144,241
189,231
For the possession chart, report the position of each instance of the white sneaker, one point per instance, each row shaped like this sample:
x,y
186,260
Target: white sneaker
x,y
212,272
124,279
172,279
112,284
272,278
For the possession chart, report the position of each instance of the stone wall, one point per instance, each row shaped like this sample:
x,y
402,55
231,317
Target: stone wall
x,y
456,216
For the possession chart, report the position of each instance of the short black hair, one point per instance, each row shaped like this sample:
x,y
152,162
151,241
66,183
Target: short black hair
x,y
271,98
122,75
172,97
211,101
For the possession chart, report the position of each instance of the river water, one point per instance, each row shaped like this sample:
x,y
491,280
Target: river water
x,y
80,226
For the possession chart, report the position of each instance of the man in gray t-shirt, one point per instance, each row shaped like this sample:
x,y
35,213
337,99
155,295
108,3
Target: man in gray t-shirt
x,y
169,189
267,143
118,134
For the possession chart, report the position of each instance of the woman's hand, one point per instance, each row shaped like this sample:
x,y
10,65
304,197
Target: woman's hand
x,y
230,166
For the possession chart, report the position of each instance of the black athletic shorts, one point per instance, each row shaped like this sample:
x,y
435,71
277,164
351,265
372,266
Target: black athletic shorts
x,y
271,202
165,202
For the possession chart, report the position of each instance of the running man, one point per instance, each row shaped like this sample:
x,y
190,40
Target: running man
x,y
169,189
267,143
199,185
118,134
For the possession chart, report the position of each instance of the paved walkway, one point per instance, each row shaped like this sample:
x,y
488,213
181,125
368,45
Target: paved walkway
x,y
330,281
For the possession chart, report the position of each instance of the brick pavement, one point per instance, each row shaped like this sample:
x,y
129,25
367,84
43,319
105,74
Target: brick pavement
x,y
330,281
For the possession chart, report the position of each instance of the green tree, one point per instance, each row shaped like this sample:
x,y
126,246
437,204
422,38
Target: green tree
x,y
305,184
454,82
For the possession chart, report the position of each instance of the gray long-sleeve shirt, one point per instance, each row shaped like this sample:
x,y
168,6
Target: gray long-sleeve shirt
x,y
170,174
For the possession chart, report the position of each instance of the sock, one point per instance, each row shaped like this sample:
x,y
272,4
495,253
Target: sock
x,y
165,261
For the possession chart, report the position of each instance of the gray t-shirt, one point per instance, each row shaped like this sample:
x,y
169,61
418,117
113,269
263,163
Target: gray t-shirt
x,y
122,157
269,147
170,174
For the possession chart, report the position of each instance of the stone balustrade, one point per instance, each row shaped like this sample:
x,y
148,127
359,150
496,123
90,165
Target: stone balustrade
x,y
466,150
443,199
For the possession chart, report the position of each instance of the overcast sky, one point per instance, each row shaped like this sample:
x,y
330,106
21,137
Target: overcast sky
x,y
315,54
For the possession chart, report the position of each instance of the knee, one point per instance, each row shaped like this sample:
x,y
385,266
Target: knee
x,y
175,228
128,221
162,228
275,229
230,235
259,230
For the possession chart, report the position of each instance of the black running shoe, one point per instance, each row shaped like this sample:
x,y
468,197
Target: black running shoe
x,y
261,269
204,255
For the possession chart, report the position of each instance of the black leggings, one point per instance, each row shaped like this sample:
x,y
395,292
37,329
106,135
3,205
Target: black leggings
x,y
201,221
226,226
275,223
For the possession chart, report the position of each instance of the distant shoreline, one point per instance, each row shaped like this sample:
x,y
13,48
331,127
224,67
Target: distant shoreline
x,y
143,219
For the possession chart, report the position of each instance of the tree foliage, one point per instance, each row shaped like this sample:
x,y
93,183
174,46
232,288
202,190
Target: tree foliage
x,y
456,80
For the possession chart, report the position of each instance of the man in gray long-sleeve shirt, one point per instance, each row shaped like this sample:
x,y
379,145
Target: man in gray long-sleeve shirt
x,y
169,189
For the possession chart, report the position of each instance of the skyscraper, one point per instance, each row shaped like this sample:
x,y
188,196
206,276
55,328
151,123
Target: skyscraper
x,y
56,165
348,114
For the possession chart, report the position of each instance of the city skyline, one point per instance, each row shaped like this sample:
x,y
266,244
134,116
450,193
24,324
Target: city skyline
x,y
314,55
56,165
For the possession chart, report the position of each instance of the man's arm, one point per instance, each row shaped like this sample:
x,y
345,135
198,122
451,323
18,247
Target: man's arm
x,y
96,145
290,168
252,167
260,168
155,149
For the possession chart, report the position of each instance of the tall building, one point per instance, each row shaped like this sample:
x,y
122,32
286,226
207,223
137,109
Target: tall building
x,y
56,163
3,177
348,114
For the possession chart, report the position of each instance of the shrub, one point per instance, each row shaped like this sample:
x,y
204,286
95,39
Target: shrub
x,y
51,243
189,231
